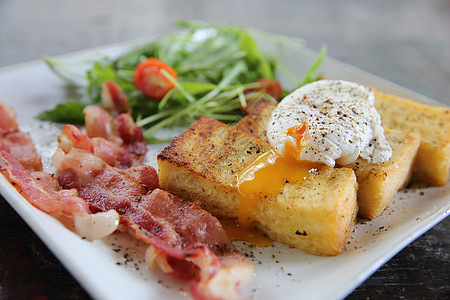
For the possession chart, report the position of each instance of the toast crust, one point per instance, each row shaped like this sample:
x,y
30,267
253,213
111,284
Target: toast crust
x,y
378,183
432,164
203,164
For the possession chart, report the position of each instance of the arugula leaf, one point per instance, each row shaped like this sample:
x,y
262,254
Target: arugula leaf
x,y
215,65
100,73
255,58
311,74
69,112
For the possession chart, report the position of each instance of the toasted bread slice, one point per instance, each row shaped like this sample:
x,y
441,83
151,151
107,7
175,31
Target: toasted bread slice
x,y
203,164
433,123
378,183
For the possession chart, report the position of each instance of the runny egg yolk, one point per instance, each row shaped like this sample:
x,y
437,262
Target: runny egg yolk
x,y
301,136
269,173
238,232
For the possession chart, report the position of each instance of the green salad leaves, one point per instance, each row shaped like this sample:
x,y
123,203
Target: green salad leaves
x,y
216,67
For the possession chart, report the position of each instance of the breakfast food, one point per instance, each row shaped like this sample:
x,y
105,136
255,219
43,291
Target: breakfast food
x,y
114,135
218,166
21,166
339,120
320,196
378,183
43,191
17,143
315,215
184,240
433,123
97,197
289,188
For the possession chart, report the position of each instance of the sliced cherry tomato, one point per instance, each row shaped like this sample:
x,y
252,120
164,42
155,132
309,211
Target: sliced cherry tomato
x,y
149,79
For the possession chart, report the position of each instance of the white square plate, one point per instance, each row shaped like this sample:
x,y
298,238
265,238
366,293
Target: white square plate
x,y
113,268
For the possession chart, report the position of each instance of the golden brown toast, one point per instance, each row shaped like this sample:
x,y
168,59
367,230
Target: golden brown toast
x,y
432,163
432,122
203,164
378,183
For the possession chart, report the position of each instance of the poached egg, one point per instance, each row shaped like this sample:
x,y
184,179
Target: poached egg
x,y
327,122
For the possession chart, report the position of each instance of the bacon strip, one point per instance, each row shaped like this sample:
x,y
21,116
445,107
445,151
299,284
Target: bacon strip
x,y
41,189
7,118
112,121
109,152
113,99
21,166
186,241
17,143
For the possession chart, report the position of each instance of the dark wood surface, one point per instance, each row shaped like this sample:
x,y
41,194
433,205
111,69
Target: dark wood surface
x,y
406,42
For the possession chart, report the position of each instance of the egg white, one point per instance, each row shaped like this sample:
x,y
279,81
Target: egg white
x,y
342,122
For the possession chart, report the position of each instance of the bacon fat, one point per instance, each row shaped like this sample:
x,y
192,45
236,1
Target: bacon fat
x,y
112,122
187,242
21,166
15,142
101,178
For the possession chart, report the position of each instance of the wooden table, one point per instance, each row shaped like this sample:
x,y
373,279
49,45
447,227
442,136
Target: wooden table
x,y
403,41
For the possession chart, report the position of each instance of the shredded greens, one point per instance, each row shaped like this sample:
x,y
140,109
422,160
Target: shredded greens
x,y
215,66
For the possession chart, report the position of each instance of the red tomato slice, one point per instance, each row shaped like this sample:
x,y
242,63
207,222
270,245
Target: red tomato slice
x,y
149,79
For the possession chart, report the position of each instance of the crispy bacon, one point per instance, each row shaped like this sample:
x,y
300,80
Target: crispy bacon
x,y
7,118
41,188
126,140
20,145
98,123
21,166
43,191
112,121
113,99
111,153
185,240
131,135
17,143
